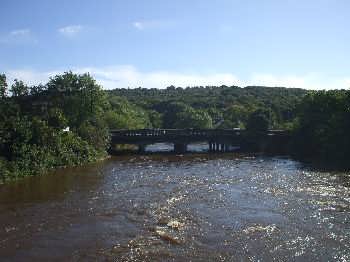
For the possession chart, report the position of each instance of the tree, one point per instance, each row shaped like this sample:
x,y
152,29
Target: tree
x,y
323,126
3,85
56,118
171,111
258,121
36,90
192,118
78,96
216,116
18,88
234,116
155,118
124,115
95,133
281,101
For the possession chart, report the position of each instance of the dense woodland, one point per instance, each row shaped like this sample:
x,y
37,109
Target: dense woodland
x,y
218,107
66,121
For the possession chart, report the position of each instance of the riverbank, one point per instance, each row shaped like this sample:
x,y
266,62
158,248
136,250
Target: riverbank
x,y
10,173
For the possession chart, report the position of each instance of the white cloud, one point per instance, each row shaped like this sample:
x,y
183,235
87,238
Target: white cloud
x,y
20,32
273,80
151,24
70,30
308,81
347,82
129,76
139,25
18,36
31,77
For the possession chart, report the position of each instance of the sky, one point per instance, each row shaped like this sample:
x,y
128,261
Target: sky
x,y
158,43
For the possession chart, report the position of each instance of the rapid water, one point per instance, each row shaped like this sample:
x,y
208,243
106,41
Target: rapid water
x,y
195,207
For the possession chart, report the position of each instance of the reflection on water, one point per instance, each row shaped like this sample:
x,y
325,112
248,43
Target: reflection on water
x,y
168,147
160,147
192,147
178,208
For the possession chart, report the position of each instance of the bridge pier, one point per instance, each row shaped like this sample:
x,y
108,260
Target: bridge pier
x,y
223,148
180,148
141,149
210,146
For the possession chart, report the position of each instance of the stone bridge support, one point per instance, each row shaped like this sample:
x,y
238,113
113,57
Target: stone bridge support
x,y
180,148
141,149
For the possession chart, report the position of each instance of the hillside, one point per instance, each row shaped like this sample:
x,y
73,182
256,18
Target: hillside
x,y
228,106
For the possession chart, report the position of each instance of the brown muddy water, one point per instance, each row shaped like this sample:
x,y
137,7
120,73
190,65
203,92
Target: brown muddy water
x,y
194,207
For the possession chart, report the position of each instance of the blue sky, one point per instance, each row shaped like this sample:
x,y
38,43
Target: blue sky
x,y
157,43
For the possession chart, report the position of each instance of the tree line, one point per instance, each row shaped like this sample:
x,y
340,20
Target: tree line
x,y
67,121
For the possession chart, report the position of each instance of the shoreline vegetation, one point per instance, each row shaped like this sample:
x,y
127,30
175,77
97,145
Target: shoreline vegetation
x,y
66,121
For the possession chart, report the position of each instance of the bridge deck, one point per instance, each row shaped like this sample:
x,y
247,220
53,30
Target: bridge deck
x,y
147,135
218,139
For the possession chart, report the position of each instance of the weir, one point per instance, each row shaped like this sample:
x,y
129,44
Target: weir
x,y
219,140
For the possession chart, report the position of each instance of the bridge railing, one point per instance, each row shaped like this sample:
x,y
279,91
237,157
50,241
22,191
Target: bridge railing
x,y
186,132
175,132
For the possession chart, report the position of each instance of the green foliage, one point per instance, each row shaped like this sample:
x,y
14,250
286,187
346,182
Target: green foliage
x,y
180,115
216,116
258,121
235,116
32,120
191,118
155,118
63,149
5,169
36,90
95,133
34,147
172,112
3,86
228,107
322,130
78,96
124,115
19,88
56,118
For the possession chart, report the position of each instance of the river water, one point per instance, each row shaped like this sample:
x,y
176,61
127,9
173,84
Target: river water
x,y
194,207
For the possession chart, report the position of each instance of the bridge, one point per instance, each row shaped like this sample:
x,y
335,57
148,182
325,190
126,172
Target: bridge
x,y
219,140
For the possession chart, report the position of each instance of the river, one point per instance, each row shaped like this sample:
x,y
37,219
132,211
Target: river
x,y
194,207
